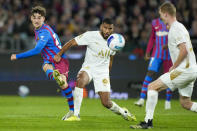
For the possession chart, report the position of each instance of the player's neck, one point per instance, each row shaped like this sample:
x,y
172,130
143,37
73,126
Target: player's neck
x,y
101,34
171,21
37,28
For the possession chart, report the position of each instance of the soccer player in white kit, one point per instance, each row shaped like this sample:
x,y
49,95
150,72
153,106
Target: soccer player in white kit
x,y
96,67
181,75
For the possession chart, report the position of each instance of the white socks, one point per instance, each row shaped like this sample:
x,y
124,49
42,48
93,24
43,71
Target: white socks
x,y
194,107
167,105
152,98
116,109
78,96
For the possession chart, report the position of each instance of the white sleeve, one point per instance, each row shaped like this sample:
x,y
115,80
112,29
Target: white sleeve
x,y
180,37
83,39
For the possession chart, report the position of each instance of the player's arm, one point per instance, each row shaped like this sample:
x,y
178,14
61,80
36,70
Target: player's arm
x,y
150,44
66,46
82,39
39,46
182,54
111,61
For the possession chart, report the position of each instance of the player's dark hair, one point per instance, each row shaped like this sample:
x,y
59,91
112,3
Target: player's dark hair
x,y
168,7
107,21
38,9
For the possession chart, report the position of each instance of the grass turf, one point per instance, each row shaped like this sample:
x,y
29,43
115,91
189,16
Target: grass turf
x,y
45,113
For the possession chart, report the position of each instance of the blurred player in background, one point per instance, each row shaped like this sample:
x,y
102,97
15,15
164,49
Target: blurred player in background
x,y
96,67
181,75
160,55
48,45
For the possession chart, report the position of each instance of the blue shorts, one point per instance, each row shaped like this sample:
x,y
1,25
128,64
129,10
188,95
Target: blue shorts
x,y
62,66
155,64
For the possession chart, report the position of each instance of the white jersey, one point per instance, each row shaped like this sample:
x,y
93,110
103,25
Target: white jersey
x,y
178,34
98,53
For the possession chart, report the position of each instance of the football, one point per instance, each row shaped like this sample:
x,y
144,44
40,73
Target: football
x,y
23,91
116,42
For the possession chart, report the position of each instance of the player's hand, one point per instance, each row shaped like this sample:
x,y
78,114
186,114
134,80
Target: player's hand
x,y
147,56
13,57
57,58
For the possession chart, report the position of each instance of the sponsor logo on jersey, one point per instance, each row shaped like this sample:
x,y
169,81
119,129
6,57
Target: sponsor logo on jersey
x,y
161,33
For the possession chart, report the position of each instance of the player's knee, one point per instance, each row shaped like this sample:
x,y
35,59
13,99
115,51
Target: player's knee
x,y
152,93
151,86
186,104
46,67
81,83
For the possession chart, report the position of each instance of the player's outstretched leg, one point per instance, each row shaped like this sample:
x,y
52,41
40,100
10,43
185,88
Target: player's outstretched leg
x,y
105,100
168,99
124,112
146,82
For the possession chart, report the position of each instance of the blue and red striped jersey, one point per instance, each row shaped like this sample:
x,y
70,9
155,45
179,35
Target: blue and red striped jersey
x,y
158,38
48,44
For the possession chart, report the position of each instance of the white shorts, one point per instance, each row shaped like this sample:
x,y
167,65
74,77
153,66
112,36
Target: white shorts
x,y
101,80
181,80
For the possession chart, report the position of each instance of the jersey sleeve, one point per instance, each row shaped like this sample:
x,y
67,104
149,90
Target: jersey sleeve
x,y
43,39
179,36
83,39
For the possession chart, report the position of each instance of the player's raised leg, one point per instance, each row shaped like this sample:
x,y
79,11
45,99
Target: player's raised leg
x,y
48,69
106,101
62,69
62,82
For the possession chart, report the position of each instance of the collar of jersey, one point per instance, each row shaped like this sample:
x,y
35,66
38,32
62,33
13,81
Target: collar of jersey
x,y
40,27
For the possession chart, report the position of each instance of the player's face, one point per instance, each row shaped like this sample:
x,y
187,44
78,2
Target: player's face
x,y
37,20
106,30
163,16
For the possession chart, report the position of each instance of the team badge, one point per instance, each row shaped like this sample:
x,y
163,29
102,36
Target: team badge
x,y
105,81
37,38
87,67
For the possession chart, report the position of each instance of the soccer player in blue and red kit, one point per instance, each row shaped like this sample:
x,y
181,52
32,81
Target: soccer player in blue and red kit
x,y
160,55
48,44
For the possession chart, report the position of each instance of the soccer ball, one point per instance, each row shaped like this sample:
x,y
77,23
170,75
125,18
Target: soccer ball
x,y
116,42
23,91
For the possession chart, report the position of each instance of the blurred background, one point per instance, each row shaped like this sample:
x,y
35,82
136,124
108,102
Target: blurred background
x,y
69,18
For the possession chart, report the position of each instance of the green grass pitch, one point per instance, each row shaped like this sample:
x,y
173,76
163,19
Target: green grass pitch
x,y
45,113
